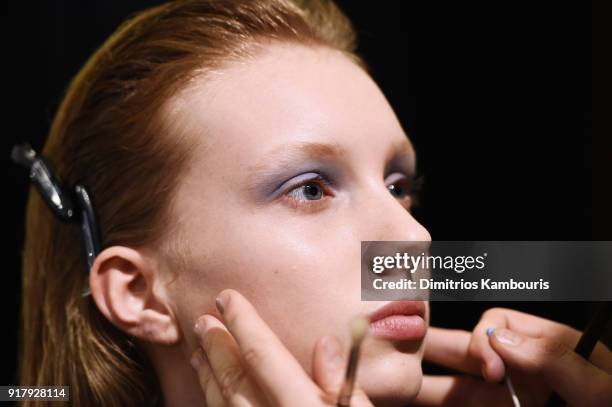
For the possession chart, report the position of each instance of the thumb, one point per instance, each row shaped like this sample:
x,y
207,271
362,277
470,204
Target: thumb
x,y
328,369
570,375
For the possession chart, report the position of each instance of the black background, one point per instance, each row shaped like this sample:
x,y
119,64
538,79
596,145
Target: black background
x,y
507,104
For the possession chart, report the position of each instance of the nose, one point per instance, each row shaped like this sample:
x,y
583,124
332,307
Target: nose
x,y
385,218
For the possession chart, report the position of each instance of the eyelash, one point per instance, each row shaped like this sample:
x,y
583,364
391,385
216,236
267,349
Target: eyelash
x,y
311,205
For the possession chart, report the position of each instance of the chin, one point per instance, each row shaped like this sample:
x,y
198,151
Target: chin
x,y
390,374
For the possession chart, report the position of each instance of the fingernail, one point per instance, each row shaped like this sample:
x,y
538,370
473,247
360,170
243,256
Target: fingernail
x,y
198,360
507,337
199,326
490,331
332,352
220,303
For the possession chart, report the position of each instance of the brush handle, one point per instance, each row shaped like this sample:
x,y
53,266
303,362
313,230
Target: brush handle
x,y
346,391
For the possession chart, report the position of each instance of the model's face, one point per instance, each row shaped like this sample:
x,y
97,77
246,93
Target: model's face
x,y
301,159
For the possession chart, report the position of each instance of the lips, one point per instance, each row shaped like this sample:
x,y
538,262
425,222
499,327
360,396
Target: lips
x,y
399,320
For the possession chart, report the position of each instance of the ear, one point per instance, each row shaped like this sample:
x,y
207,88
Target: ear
x,y
127,288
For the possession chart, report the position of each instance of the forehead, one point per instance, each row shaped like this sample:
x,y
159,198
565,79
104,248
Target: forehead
x,y
285,94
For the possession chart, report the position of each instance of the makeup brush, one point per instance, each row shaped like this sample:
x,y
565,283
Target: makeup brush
x,y
359,329
595,328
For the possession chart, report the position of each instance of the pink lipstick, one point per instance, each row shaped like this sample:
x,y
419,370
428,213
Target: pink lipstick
x,y
399,320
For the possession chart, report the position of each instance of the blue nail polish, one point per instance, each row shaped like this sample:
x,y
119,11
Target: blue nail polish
x,y
490,331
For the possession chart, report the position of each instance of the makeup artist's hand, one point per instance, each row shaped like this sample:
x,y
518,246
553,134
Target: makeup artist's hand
x,y
241,362
537,352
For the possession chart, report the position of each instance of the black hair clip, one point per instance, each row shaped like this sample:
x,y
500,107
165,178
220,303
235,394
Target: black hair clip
x,y
62,202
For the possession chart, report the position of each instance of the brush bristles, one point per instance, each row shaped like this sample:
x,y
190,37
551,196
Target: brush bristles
x,y
359,329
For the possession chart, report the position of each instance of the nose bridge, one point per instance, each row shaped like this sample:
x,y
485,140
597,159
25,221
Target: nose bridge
x,y
384,218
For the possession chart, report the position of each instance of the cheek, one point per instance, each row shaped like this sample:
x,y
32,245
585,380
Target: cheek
x,y
303,281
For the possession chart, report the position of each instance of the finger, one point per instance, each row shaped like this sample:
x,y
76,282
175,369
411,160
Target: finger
x,y
265,356
209,386
491,365
328,366
225,362
534,326
574,378
461,391
531,325
602,357
359,398
214,397
450,348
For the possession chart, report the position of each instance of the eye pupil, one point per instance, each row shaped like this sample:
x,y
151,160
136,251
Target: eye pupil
x,y
312,191
396,190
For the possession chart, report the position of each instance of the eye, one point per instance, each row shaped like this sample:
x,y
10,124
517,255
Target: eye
x,y
312,191
404,188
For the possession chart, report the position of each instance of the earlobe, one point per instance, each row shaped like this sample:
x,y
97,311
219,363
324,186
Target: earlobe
x,y
126,287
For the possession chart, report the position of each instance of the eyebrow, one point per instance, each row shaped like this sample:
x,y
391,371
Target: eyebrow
x,y
401,147
322,150
292,151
